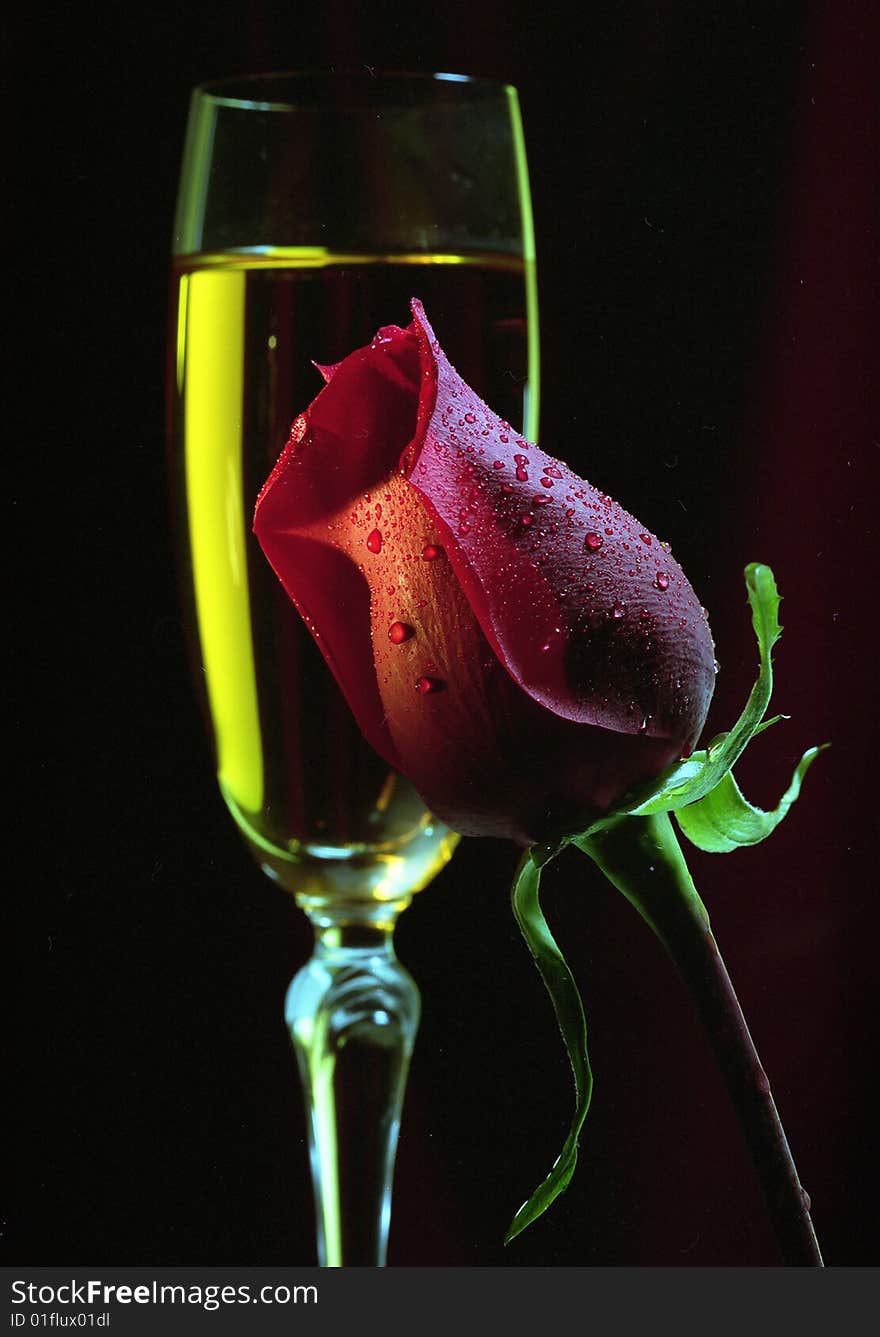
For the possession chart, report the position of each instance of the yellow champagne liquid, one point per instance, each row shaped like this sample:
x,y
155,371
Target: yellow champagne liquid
x,y
318,808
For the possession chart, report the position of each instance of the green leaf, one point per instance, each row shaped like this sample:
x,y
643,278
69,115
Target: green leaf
x,y
564,995
690,780
724,820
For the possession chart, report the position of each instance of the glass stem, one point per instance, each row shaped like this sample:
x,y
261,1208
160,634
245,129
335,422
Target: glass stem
x,y
353,1014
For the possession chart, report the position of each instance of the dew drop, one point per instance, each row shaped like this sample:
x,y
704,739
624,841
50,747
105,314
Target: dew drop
x,y
470,417
552,470
374,541
618,611
608,529
428,686
399,632
498,464
593,541
546,482
646,539
526,520
431,552
540,500
298,429
661,580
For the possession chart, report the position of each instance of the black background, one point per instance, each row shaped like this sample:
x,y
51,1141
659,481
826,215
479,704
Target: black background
x,y
704,191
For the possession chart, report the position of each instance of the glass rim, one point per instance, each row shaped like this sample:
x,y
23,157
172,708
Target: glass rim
x,y
219,91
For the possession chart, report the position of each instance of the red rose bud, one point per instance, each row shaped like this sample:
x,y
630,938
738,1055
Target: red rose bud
x,y
506,635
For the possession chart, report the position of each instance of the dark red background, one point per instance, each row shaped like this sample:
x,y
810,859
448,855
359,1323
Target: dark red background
x,y
704,190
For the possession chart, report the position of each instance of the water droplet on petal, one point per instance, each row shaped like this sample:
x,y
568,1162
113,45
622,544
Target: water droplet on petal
x,y
593,541
618,611
552,470
546,482
498,464
470,417
374,541
661,580
526,520
428,686
646,539
399,632
431,552
298,429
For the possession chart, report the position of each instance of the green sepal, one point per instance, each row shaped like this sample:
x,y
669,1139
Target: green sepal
x,y
567,1005
724,820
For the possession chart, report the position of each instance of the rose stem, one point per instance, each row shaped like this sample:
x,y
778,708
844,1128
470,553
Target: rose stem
x,y
642,858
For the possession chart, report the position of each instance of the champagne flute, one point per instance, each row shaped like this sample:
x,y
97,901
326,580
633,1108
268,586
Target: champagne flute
x,y
311,208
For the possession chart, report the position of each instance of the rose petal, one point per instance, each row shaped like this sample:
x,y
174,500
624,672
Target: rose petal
x,y
568,621
350,444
